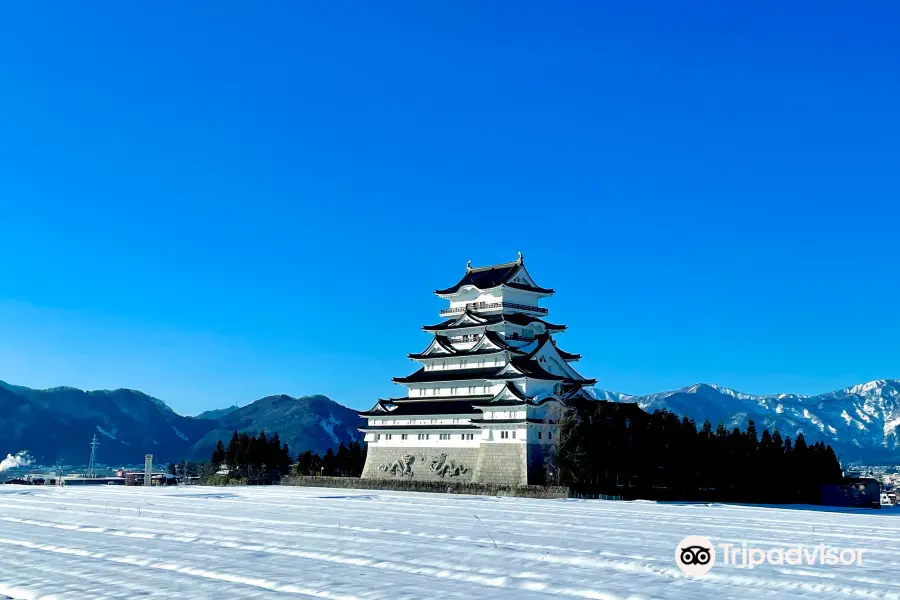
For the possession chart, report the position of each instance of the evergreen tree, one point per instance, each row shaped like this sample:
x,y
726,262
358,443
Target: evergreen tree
x,y
231,454
752,441
777,445
284,459
328,463
218,455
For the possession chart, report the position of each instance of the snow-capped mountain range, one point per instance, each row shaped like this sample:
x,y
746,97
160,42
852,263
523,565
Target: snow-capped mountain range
x,y
860,422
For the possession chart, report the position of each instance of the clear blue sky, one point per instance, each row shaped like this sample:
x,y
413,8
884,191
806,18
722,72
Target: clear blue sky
x,y
221,201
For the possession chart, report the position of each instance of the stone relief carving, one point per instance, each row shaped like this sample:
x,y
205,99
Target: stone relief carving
x,y
400,467
442,467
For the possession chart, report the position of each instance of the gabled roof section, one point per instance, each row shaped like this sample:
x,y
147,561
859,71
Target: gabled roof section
x,y
485,278
381,408
543,339
469,319
511,395
490,343
531,368
493,339
510,392
546,348
439,347
486,351
522,319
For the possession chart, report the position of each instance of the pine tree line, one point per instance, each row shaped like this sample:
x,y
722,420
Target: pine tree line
x,y
348,461
660,456
253,456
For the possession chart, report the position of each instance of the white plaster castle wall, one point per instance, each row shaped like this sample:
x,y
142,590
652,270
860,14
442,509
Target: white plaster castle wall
x,y
472,362
461,388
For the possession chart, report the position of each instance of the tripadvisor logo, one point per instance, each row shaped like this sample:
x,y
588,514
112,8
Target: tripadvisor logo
x,y
695,555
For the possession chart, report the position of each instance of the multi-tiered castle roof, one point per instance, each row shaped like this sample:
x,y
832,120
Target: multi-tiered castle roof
x,y
493,349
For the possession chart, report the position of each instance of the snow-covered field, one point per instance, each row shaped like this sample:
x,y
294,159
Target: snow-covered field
x,y
223,543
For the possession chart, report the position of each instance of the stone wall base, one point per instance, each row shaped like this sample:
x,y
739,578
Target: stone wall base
x,y
420,464
490,463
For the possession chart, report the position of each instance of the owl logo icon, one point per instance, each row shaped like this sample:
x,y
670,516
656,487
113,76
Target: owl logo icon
x,y
695,555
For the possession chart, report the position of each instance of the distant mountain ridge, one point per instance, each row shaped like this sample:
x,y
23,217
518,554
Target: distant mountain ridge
x,y
57,424
860,422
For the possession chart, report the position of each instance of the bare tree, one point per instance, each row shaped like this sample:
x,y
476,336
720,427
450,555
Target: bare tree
x,y
559,456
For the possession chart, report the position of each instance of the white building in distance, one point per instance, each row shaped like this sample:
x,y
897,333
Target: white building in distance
x,y
484,405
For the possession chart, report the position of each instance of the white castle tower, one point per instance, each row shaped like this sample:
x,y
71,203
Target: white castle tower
x,y
483,407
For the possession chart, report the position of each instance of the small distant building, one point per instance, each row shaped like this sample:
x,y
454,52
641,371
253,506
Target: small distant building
x,y
82,480
853,491
137,478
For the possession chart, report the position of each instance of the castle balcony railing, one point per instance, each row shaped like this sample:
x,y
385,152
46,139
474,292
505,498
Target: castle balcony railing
x,y
462,339
491,306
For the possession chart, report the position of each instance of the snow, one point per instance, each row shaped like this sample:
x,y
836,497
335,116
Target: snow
x,y
178,433
865,388
847,418
111,436
866,411
328,425
205,542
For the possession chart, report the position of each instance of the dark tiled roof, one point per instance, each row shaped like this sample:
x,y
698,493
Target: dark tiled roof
x,y
490,335
534,369
528,288
422,375
485,278
523,319
567,355
520,319
528,367
459,407
462,353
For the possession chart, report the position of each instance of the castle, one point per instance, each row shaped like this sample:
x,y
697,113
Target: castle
x,y
484,407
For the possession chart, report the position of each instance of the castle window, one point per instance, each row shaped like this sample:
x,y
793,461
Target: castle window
x,y
403,436
445,436
539,435
387,436
504,435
